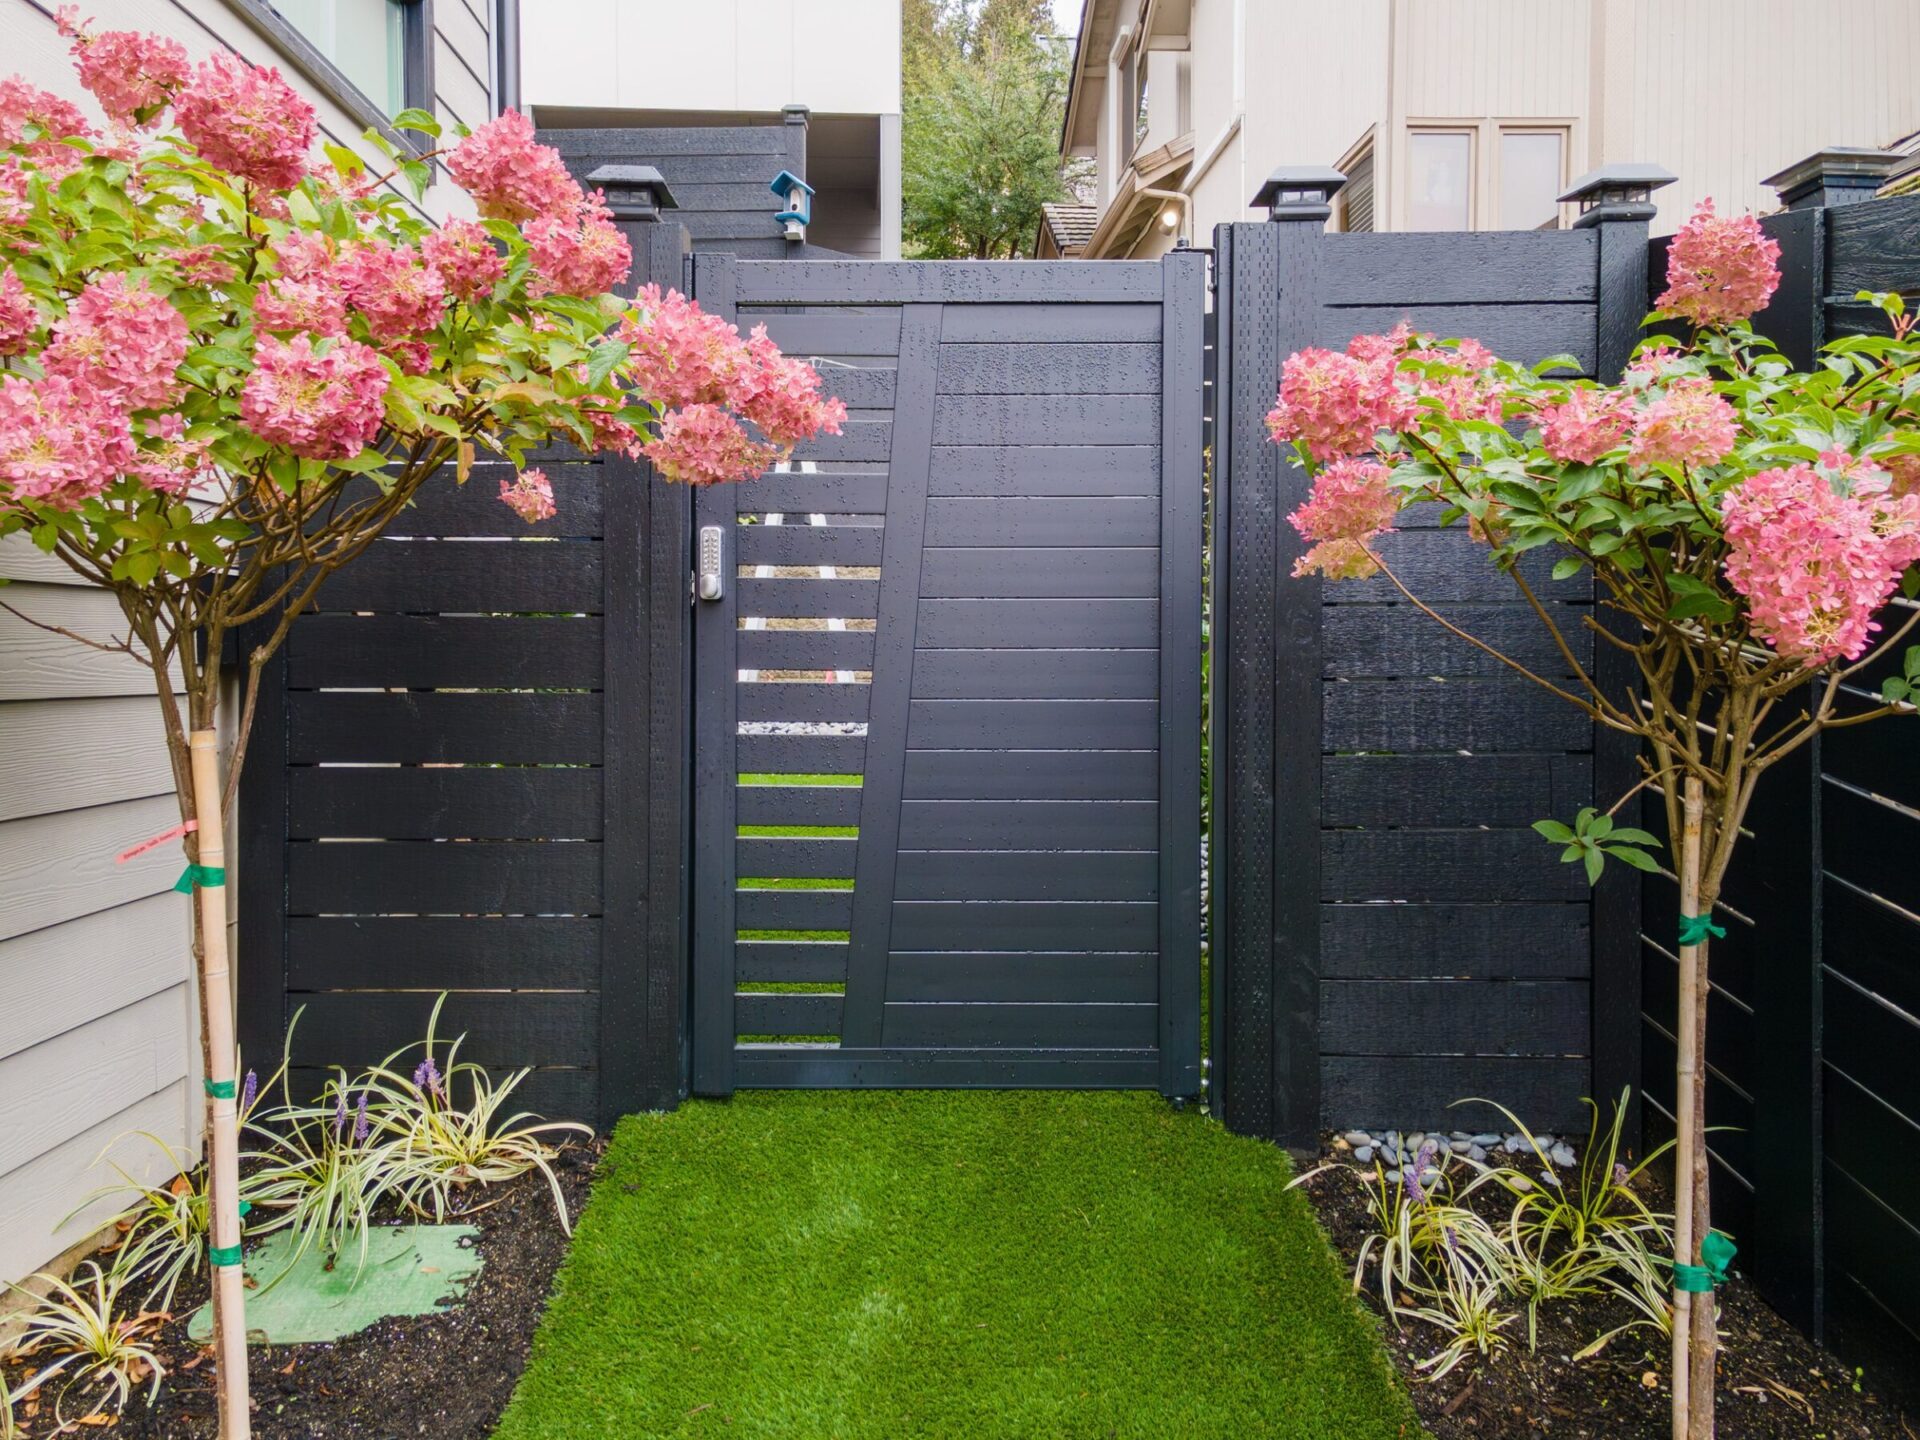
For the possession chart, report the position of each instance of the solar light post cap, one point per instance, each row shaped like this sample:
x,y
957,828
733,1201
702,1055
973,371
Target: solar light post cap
x,y
1299,192
634,192
1616,192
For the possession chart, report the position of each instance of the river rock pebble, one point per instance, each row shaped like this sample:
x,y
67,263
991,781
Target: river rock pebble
x,y
1398,1148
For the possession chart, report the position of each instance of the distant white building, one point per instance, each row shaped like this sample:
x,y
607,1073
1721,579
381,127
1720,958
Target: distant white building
x,y
1467,114
589,64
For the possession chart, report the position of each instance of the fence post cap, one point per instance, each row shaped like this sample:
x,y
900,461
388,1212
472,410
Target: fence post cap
x,y
1616,192
1299,192
1837,175
795,114
634,192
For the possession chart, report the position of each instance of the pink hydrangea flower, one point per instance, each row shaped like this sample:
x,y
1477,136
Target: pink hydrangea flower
x,y
304,254
678,354
1587,424
1688,425
464,253
132,75
320,405
1351,505
578,252
510,175
611,434
781,395
529,495
61,442
1719,269
704,445
1816,560
20,317
312,305
123,340
24,106
1654,358
392,287
1332,404
1462,381
247,120
169,462
204,265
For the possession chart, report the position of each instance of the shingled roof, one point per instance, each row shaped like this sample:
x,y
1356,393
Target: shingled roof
x,y
1070,226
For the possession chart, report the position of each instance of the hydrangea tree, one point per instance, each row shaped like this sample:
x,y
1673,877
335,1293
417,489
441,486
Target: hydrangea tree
x,y
228,368
1746,528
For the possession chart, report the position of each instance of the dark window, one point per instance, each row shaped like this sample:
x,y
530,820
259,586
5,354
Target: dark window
x,y
374,58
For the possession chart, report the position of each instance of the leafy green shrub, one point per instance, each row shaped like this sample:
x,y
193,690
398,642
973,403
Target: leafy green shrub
x,y
82,1328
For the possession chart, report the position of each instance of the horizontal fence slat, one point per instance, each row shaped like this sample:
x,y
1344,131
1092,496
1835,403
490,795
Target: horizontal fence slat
x,y
1495,267
793,909
1382,1090
1495,715
443,507
787,1014
470,577
1455,941
858,282
482,803
1462,1017
779,858
860,438
522,729
1022,1026
991,470
797,805
1384,642
441,953
1031,775
1008,874
801,700
1447,565
1871,1141
874,333
507,877
437,651
838,1067
1033,724
809,599
1014,574
1070,521
1041,369
803,544
1873,247
1444,865
805,649
801,754
1498,790
1029,825
1520,333
1046,419
1024,925
1051,324
352,1028
830,493
791,962
701,141
1115,979
1038,624
1872,1042
1036,675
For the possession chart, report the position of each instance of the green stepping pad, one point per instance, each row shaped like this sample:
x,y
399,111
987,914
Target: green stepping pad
x,y
410,1270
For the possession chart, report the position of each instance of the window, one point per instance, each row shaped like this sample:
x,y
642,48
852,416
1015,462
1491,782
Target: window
x,y
1440,180
372,57
1356,196
1531,170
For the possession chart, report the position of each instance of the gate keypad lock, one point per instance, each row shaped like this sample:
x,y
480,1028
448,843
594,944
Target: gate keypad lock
x,y
712,582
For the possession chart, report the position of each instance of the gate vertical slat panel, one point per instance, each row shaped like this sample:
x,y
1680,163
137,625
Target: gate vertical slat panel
x,y
892,688
1182,359
715,770
261,1010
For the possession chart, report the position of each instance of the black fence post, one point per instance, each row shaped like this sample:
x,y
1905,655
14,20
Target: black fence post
x,y
643,965
1615,203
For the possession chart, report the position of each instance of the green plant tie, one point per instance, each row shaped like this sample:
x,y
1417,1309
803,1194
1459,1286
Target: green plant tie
x,y
246,1208
223,1255
1694,929
221,1089
1716,1253
210,877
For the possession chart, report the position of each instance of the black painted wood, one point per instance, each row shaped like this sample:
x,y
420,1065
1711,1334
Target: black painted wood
x,y
519,802
1036,572
1036,470
464,952
444,727
1014,874
430,652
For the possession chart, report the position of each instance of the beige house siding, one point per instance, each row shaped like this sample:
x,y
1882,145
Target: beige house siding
x,y
98,1033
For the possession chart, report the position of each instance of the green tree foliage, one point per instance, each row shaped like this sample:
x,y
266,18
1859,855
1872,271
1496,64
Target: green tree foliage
x,y
985,87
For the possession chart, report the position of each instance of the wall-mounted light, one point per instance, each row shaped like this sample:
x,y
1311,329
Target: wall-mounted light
x,y
796,204
1169,218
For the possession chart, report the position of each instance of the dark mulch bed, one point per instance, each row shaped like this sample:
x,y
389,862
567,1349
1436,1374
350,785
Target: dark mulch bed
x,y
1775,1384
447,1375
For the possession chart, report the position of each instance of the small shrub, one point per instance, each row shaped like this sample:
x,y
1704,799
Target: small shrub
x,y
80,1328
319,1172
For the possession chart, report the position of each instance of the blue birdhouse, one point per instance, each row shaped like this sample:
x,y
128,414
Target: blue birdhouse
x,y
796,203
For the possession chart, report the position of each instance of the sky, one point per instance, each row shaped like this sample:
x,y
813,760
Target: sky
x,y
1066,16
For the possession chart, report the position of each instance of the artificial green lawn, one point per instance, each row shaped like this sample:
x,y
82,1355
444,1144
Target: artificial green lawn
x,y
839,1266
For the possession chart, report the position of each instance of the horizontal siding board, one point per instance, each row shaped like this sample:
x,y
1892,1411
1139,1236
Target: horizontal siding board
x,y
481,803
425,652
420,878
802,544
1046,419
1051,324
464,576
1493,715
1037,470
1042,369
1036,675
60,977
1033,724
809,599
909,281
1022,1026
758,857
352,1028
1029,825
1432,865
441,952
801,700
1410,1091
59,867
524,729
1496,267
42,665
1521,333
1038,624
804,649
1024,925
786,1014
1455,941
1027,573
1052,521
1385,641
1031,775
1457,790
793,909
852,493
1453,1017
1110,979
69,754
1026,875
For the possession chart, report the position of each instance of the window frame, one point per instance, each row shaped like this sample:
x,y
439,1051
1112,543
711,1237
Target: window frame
x,y
323,74
1366,148
1468,129
1559,130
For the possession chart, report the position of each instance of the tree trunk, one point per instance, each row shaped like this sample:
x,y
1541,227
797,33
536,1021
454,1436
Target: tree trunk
x,y
208,849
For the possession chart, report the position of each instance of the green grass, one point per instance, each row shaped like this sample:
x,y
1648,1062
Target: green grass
x,y
987,1265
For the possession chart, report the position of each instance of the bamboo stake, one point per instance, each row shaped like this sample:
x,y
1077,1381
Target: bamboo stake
x,y
1686,1077
223,1130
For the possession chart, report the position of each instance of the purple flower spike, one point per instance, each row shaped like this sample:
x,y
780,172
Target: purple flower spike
x,y
360,1126
248,1091
340,1115
1620,1175
426,1075
1410,1175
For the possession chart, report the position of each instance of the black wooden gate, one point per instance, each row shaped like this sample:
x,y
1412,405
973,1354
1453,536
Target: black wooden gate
x,y
947,694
